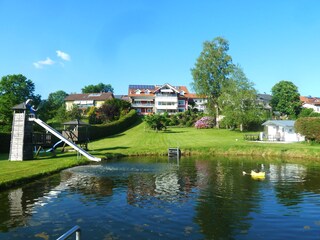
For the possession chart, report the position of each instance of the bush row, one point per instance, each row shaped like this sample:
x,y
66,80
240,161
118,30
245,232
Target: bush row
x,y
5,139
104,130
309,127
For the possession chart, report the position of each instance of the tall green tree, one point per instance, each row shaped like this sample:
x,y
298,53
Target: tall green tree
x,y
238,102
14,89
54,102
101,87
211,72
286,99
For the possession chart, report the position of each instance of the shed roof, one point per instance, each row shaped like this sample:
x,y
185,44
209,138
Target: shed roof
x,y
282,123
21,106
75,122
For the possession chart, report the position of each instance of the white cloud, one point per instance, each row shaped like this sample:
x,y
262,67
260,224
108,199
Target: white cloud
x,y
63,55
40,64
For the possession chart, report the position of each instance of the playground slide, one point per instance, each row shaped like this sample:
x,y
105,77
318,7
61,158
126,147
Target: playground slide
x,y
70,143
54,146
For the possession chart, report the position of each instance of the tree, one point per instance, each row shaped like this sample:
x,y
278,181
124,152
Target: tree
x,y
238,101
101,87
54,102
113,109
211,72
14,89
74,113
286,99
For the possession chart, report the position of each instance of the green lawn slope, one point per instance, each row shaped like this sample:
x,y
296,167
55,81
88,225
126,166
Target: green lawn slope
x,y
140,140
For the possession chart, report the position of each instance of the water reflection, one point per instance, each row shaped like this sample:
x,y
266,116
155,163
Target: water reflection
x,y
193,198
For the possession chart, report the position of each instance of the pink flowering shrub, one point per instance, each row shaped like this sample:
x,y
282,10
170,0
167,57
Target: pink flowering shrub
x,y
205,122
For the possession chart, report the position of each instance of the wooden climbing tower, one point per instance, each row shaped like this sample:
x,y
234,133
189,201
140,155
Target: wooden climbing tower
x,y
21,147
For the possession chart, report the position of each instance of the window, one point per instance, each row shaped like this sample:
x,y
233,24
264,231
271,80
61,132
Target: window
x,y
181,102
149,110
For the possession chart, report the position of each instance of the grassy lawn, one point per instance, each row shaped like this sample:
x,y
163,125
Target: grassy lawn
x,y
141,141
14,173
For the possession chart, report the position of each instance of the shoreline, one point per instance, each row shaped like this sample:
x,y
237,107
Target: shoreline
x,y
283,155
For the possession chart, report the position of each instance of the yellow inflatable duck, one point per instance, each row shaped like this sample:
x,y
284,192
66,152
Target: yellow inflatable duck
x,y
256,174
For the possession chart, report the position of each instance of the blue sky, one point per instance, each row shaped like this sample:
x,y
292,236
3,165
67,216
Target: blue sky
x,y
66,45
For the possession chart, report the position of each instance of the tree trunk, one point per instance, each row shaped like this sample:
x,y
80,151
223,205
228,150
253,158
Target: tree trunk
x,y
217,117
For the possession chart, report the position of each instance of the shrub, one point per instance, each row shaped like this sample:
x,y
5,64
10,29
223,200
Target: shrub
x,y
205,122
309,127
156,121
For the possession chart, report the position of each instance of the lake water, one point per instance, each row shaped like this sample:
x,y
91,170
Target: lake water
x,y
157,198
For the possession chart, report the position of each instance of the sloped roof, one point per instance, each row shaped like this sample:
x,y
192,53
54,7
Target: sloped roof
x,y
153,88
21,106
310,100
75,122
282,123
90,96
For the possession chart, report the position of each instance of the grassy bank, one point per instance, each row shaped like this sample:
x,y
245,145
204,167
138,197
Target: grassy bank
x,y
141,141
20,172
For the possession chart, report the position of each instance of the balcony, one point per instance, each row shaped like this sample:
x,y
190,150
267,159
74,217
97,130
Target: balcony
x,y
142,105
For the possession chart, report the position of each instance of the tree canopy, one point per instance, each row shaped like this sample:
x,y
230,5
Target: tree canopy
x,y
54,102
238,101
286,99
211,72
14,89
101,87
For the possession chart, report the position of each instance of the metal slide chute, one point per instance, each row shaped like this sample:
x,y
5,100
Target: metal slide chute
x,y
70,143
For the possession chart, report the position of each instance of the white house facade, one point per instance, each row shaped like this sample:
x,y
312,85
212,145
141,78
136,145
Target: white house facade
x,y
147,99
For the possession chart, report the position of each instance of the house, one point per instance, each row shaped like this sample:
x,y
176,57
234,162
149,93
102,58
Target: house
x,y
147,99
311,102
85,100
281,130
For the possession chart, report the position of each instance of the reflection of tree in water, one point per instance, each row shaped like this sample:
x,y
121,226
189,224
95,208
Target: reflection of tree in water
x,y
225,199
171,185
289,182
89,186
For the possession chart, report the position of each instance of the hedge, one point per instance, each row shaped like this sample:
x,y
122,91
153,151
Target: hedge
x,y
5,139
105,130
309,127
95,131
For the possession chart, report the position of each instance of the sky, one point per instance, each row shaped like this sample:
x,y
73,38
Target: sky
x,y
67,45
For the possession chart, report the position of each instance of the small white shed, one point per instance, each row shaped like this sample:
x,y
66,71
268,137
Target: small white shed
x,y
281,130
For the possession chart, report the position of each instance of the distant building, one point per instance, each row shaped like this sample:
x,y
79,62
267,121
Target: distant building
x,y
311,103
147,99
85,100
264,100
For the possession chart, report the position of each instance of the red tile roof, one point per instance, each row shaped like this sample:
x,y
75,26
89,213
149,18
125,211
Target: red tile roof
x,y
310,100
